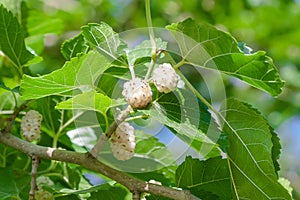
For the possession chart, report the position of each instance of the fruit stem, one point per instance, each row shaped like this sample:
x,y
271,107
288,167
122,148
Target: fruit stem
x,y
150,69
131,72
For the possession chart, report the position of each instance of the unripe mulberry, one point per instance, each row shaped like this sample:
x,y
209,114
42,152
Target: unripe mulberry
x,y
31,125
122,142
165,78
137,93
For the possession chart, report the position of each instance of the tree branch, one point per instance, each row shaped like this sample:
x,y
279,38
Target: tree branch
x,y
90,162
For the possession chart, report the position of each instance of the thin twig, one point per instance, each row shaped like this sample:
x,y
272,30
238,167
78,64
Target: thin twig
x,y
35,164
104,137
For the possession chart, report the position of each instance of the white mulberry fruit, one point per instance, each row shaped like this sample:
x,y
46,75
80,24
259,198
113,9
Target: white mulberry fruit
x,y
122,142
137,93
31,125
165,78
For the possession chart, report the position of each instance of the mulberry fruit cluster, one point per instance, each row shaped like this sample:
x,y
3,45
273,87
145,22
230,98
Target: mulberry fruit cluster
x,y
165,78
31,125
122,142
137,93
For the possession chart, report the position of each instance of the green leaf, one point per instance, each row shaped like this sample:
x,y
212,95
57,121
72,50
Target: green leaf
x,y
103,38
8,186
12,39
111,192
79,73
16,7
207,179
73,176
70,48
143,50
205,46
2,85
90,101
250,153
35,42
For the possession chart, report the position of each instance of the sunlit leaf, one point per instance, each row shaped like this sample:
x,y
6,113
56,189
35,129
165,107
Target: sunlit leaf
x,y
205,46
209,178
12,39
79,73
250,153
103,38
90,101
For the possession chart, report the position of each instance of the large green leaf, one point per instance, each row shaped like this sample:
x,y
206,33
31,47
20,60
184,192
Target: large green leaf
x,y
90,101
12,39
249,153
207,179
205,46
79,73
